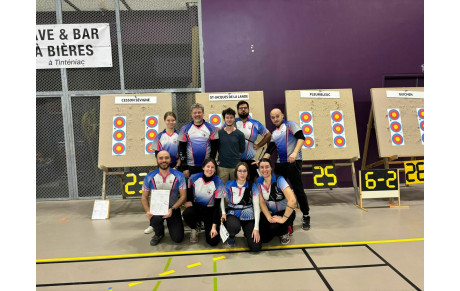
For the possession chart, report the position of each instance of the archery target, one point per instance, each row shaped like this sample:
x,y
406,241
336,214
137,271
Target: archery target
x,y
309,143
306,123
118,149
119,135
396,128
151,121
151,133
338,129
216,120
421,122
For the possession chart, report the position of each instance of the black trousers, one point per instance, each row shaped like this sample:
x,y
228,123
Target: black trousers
x,y
175,225
234,225
293,173
270,230
196,213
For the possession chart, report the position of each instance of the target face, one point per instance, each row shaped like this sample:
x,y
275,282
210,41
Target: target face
x,y
395,126
307,129
119,122
149,148
119,135
422,125
421,113
398,139
423,137
215,119
151,121
393,114
338,128
337,116
339,141
151,134
305,117
308,142
118,148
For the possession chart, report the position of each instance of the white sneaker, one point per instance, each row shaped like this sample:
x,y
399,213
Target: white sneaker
x,y
194,236
285,239
148,230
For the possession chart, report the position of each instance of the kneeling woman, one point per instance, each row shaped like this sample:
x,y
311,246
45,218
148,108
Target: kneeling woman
x,y
244,209
205,190
277,202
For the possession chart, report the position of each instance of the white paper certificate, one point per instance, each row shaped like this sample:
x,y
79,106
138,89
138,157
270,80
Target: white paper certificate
x,y
159,202
223,233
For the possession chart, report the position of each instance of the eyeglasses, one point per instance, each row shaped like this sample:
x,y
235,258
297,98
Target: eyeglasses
x,y
242,171
243,108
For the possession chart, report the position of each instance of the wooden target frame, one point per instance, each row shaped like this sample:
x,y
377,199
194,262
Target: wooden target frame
x,y
134,110
406,106
321,104
223,100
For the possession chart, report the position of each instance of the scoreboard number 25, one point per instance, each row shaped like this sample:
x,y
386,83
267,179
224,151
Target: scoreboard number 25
x,y
324,176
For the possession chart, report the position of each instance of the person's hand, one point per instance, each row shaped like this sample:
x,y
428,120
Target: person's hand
x,y
256,236
292,157
149,215
213,232
188,204
169,213
271,219
223,218
277,219
186,174
255,163
255,146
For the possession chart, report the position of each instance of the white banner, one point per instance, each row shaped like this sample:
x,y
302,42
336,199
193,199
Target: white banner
x,y
320,94
135,100
405,94
73,46
228,96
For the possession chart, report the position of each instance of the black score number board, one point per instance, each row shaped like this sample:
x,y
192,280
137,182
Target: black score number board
x,y
379,180
324,176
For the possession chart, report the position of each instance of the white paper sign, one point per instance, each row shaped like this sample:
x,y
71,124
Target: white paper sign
x,y
84,45
101,209
159,202
320,94
135,99
223,233
228,96
405,94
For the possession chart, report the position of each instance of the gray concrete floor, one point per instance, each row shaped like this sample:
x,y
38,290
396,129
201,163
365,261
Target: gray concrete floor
x,y
346,249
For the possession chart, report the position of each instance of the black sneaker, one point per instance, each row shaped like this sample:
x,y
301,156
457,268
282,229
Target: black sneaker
x,y
306,222
156,239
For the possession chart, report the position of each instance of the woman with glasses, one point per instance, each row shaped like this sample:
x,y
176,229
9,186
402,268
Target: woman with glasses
x,y
243,209
277,202
205,191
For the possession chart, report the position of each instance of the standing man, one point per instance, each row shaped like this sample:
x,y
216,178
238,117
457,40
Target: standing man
x,y
250,128
198,140
165,178
288,139
231,146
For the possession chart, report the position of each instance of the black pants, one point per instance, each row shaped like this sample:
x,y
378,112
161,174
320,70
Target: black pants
x,y
175,225
293,173
270,230
252,170
196,213
234,225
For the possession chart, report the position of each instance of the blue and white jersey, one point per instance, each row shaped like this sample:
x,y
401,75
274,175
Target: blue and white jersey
x,y
174,181
251,128
166,142
273,195
240,199
285,141
205,193
198,141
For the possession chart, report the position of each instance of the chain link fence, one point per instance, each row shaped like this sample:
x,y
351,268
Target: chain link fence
x,y
156,48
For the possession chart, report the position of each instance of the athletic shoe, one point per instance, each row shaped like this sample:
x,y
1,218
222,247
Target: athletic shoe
x,y
290,230
285,239
231,242
194,236
156,239
306,222
148,230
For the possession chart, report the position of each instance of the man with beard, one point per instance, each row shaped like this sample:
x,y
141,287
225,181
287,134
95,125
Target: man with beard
x,y
165,178
251,128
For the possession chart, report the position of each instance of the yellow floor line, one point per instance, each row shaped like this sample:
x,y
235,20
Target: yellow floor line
x,y
167,273
224,250
219,258
194,265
